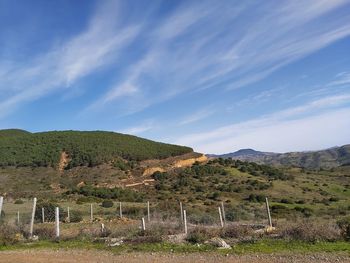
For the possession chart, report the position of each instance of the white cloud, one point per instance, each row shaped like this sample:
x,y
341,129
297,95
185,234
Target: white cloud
x,y
99,45
136,130
213,45
197,116
268,132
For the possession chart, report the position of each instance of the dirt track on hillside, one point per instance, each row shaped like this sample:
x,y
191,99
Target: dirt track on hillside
x,y
75,256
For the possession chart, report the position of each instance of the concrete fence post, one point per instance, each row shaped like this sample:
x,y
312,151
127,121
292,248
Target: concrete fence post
x,y
1,204
91,213
181,213
120,210
68,214
143,224
148,213
18,218
57,222
32,218
43,215
223,212
268,212
220,215
185,221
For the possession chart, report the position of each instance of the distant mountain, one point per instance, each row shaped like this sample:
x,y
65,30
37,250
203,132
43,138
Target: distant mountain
x,y
329,158
243,153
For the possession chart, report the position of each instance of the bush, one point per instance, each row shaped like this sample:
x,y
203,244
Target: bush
x,y
311,232
201,234
344,225
107,203
49,211
8,235
76,216
237,231
18,202
45,232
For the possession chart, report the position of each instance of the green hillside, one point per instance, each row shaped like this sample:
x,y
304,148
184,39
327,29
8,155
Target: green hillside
x,y
12,132
19,148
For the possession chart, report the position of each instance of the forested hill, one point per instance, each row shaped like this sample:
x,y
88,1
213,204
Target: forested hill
x,y
21,148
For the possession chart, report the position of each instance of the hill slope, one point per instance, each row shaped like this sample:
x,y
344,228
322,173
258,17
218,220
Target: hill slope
x,y
82,148
328,158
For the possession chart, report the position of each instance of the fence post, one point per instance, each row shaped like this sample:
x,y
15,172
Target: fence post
x,y
102,228
91,213
143,223
32,218
57,222
43,215
220,215
68,215
223,212
182,213
268,212
1,203
18,218
148,213
185,220
120,210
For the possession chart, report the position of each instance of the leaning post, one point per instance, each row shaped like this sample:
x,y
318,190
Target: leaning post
x,y
32,218
220,215
1,203
223,212
268,212
91,213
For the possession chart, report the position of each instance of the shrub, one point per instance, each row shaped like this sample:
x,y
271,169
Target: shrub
x,y
311,232
18,202
236,231
49,211
107,203
76,216
344,225
45,232
201,234
8,235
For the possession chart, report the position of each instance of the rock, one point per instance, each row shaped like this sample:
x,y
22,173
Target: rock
x,y
114,242
177,239
218,242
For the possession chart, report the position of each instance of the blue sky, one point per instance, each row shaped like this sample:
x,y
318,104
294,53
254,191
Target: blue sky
x,y
214,75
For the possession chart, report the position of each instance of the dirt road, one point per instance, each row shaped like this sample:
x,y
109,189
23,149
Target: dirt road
x,y
77,256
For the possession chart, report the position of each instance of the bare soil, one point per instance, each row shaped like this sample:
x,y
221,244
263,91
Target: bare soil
x,y
75,256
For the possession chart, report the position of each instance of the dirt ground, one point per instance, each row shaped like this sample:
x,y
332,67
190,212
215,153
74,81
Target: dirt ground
x,y
75,256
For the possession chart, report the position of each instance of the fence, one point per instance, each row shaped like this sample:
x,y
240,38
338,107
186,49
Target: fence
x,y
69,219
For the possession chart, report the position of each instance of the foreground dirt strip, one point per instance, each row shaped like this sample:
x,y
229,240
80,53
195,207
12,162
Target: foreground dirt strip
x,y
74,256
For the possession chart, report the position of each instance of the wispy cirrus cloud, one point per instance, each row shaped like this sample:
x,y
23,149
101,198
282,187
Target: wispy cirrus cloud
x,y
222,45
267,132
197,116
75,58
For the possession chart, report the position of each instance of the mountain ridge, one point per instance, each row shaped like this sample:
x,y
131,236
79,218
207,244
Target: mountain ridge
x,y
327,158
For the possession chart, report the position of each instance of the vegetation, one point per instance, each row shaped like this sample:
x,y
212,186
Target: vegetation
x,y
18,148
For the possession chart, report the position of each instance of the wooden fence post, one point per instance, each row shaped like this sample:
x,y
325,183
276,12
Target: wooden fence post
x,y
182,213
32,218
120,210
1,203
43,215
143,224
223,212
148,213
68,215
91,213
185,221
268,212
57,222
220,215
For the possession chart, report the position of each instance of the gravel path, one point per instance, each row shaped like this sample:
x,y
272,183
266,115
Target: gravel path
x,y
75,256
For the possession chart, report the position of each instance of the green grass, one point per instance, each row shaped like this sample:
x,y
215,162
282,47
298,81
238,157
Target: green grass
x,y
264,246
